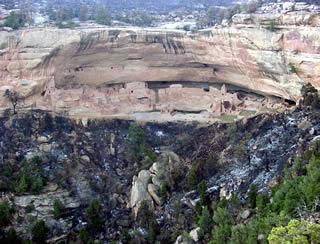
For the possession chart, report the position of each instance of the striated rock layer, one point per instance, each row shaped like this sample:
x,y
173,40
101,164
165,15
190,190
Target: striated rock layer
x,y
144,73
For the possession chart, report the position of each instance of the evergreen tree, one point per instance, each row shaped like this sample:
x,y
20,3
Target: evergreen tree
x,y
83,15
95,216
15,20
202,187
4,213
223,224
192,178
39,232
102,16
239,234
22,185
252,194
204,222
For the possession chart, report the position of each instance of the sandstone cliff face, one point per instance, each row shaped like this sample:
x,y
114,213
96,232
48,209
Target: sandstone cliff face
x,y
124,72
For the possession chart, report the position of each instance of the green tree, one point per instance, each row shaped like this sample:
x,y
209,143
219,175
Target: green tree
x,y
57,208
95,216
139,18
4,213
64,14
36,185
296,231
239,234
213,16
15,20
12,237
136,140
39,232
223,224
83,16
84,236
22,185
262,201
202,187
252,195
102,16
192,177
312,181
135,135
204,222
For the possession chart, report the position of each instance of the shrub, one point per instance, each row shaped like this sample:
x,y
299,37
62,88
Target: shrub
x,y
66,25
144,214
292,69
164,191
186,28
272,26
231,130
29,208
39,232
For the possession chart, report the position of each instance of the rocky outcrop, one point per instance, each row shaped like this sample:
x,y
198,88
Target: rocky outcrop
x,y
145,73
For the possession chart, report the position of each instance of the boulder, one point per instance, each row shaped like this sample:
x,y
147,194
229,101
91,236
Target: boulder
x,y
155,168
42,139
245,214
85,158
153,190
139,191
180,240
194,234
45,147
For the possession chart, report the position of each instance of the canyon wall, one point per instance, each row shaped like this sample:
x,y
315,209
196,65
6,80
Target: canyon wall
x,y
154,73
